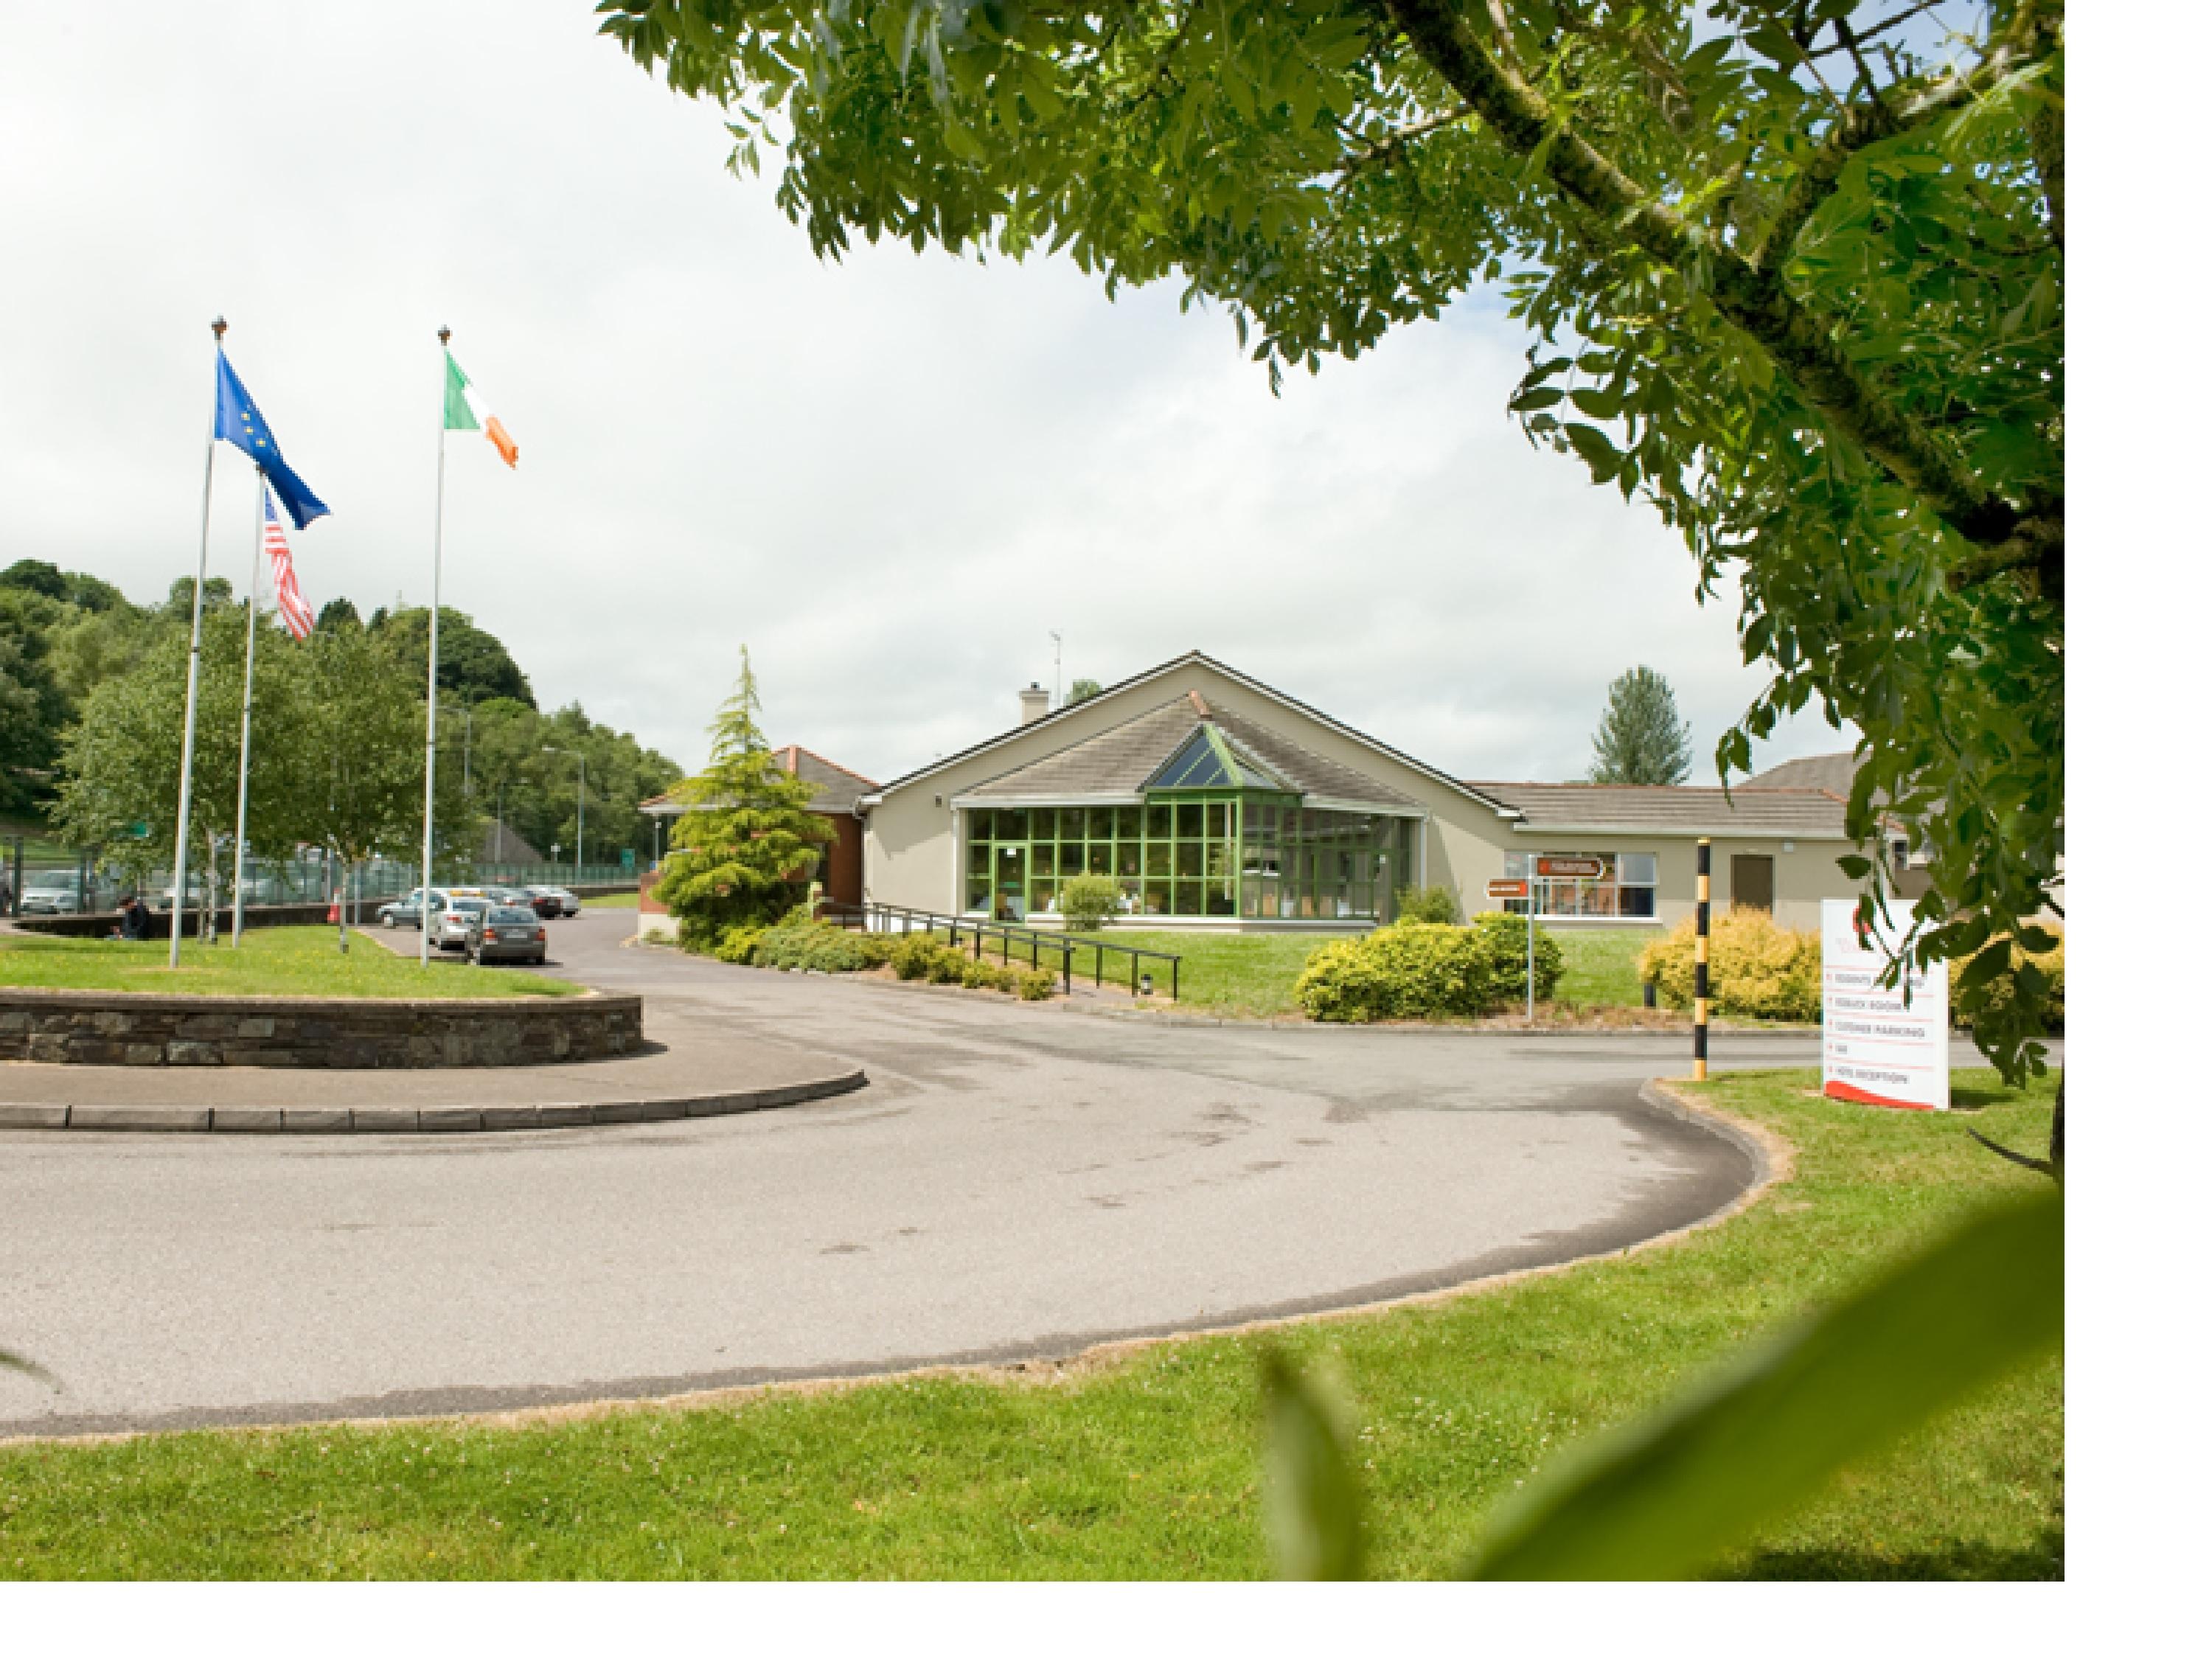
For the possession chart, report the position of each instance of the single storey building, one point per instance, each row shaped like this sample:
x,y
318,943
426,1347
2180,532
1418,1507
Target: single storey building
x,y
1217,801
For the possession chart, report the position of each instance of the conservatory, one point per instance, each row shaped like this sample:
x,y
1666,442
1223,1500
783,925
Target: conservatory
x,y
1220,829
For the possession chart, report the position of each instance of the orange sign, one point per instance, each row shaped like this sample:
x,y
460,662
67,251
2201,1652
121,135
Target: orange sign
x,y
1503,889
1571,869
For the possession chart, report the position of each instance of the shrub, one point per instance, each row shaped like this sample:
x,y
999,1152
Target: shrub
x,y
911,955
1759,970
980,973
2052,964
1425,970
797,942
1435,903
1036,984
948,965
1086,903
737,943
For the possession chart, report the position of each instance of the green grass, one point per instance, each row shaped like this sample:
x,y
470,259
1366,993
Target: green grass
x,y
290,962
611,902
1144,1468
1250,975
1599,968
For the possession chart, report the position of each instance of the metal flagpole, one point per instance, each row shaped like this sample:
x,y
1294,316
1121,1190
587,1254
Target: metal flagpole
x,y
246,720
437,576
177,866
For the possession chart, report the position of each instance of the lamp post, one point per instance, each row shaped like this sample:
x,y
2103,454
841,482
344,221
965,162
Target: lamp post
x,y
579,754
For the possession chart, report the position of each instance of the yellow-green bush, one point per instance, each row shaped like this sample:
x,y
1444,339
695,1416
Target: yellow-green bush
x,y
1759,970
2052,964
1036,984
1426,970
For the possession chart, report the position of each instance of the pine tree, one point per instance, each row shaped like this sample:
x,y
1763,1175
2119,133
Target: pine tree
x,y
1640,738
747,844
1082,691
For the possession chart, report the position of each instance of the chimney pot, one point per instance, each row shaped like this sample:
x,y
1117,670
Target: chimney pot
x,y
1037,703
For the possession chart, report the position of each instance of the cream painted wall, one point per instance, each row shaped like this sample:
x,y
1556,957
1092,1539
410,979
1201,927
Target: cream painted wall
x,y
913,846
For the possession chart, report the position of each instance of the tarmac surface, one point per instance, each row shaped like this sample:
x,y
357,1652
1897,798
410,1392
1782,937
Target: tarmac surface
x,y
1013,1181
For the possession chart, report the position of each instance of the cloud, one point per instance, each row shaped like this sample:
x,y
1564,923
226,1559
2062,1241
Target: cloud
x,y
892,477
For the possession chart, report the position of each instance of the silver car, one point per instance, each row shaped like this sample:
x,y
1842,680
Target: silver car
x,y
505,932
568,901
455,922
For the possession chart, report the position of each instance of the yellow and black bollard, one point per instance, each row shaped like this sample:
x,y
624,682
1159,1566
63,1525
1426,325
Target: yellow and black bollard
x,y
1701,991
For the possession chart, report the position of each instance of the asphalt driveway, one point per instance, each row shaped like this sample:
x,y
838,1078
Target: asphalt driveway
x,y
1014,1181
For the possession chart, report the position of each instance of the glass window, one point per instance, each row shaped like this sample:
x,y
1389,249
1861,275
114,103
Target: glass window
x,y
1216,819
1129,858
1071,824
1010,824
1040,896
1190,858
1155,898
1128,823
979,859
978,891
1159,858
1190,898
1190,820
979,826
1071,857
1159,822
1101,823
1041,855
1101,858
1639,870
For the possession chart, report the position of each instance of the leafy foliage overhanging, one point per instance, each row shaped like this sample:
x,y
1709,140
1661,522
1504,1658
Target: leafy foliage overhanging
x,y
1794,269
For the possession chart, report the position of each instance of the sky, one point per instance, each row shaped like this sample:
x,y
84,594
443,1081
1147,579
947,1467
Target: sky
x,y
892,478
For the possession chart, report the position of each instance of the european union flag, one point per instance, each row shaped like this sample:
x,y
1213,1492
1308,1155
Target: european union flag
x,y
238,421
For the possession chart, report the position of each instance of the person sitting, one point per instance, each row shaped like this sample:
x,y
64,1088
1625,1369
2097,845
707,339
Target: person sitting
x,y
137,921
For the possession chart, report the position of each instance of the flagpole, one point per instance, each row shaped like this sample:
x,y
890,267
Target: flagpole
x,y
431,727
179,885
245,719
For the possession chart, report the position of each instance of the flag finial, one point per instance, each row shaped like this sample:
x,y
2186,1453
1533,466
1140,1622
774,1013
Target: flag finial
x,y
444,335
219,326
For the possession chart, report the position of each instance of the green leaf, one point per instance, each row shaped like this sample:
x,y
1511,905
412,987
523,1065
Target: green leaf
x,y
1595,449
1312,1505
1666,1494
1854,866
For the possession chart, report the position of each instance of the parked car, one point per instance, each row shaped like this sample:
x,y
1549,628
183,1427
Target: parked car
x,y
406,911
452,932
51,893
505,932
499,894
568,901
543,900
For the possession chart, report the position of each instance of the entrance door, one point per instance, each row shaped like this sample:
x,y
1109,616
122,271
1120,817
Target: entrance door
x,y
1010,890
1751,882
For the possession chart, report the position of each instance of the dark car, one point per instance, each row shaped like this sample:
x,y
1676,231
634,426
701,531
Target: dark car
x,y
505,932
542,900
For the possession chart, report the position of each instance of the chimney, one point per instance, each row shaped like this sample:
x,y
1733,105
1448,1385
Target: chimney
x,y
1037,703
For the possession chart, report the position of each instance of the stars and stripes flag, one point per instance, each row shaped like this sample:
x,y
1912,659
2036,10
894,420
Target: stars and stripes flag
x,y
294,609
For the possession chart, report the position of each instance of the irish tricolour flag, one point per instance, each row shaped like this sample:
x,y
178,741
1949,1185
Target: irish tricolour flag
x,y
466,411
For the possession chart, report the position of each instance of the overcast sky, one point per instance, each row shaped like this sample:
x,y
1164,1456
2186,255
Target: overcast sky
x,y
892,478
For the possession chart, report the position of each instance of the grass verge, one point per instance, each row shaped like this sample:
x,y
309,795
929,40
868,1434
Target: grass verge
x,y
610,901
287,961
1143,1466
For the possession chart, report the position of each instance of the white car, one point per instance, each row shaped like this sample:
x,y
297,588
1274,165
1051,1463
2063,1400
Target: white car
x,y
51,893
569,903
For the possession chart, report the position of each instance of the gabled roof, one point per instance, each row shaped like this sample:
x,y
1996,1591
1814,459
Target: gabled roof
x,y
1670,809
1119,763
1163,670
837,787
1832,773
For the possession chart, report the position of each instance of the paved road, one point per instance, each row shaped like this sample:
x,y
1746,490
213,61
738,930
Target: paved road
x,y
1013,1181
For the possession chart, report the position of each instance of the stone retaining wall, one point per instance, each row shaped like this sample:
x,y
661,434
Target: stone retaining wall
x,y
111,1027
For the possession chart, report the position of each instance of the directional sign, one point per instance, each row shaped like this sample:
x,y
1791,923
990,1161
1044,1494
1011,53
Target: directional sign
x,y
1572,869
1877,1046
140,831
1505,890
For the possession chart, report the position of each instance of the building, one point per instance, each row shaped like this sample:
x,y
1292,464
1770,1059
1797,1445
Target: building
x,y
1217,801
837,792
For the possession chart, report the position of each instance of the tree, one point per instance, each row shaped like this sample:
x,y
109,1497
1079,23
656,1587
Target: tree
x,y
338,613
1082,691
1794,270
472,664
33,707
178,605
1640,738
748,843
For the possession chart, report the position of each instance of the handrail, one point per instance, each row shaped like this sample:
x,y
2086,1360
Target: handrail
x,y
930,921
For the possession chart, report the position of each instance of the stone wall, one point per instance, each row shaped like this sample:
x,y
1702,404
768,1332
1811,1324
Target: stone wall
x,y
113,1028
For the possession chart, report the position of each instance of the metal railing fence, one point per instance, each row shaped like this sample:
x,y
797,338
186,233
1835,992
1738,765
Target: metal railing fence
x,y
898,919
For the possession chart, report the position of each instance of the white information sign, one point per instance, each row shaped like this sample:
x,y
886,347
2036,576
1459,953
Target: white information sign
x,y
1875,1047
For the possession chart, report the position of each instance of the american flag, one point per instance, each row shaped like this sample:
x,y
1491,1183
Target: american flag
x,y
297,617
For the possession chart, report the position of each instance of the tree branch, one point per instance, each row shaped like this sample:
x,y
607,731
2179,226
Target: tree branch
x,y
1387,148
1752,297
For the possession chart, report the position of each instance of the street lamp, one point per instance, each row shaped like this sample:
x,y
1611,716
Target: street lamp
x,y
579,754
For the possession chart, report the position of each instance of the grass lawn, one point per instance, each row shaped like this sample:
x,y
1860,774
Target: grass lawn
x,y
1141,1467
1251,975
288,961
611,902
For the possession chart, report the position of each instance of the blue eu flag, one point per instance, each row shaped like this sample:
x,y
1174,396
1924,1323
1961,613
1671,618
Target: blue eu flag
x,y
238,421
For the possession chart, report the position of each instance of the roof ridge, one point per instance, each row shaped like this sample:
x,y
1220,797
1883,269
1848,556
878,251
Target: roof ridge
x,y
801,749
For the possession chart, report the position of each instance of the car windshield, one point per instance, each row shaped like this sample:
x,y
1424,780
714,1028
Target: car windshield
x,y
509,914
470,905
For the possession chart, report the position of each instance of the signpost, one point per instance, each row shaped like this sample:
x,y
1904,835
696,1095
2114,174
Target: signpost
x,y
1571,869
1875,1045
1513,888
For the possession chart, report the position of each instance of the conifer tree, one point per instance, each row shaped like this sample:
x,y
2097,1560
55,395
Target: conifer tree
x,y
748,843
1640,738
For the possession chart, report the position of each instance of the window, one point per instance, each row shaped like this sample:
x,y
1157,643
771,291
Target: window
x,y
1626,886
